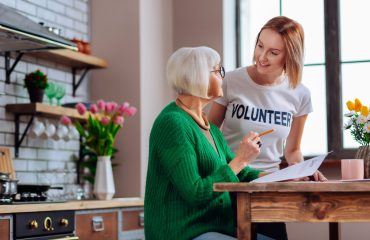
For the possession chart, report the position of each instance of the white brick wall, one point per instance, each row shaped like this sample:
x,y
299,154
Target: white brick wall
x,y
45,161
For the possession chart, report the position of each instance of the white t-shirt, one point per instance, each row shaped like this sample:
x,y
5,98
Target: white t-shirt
x,y
253,107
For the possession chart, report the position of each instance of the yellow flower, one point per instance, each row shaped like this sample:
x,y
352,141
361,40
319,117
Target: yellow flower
x,y
365,111
358,105
350,105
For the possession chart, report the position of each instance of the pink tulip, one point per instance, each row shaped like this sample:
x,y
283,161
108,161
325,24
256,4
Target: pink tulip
x,y
123,108
93,109
119,120
65,120
101,104
81,109
115,105
110,107
105,120
131,111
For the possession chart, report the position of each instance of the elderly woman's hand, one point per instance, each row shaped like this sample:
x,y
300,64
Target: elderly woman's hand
x,y
248,150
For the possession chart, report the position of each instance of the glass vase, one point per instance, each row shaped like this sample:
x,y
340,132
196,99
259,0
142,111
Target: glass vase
x,y
363,152
104,183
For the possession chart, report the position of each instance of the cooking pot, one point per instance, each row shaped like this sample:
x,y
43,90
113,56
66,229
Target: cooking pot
x,y
4,175
8,187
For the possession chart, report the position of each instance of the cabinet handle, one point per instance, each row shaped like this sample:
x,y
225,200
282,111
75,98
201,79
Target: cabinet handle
x,y
141,219
98,224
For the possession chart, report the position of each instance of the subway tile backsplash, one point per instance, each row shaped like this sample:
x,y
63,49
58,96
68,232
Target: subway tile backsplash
x,y
45,161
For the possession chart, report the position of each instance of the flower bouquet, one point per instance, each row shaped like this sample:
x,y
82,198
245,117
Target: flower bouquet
x,y
98,135
359,125
359,122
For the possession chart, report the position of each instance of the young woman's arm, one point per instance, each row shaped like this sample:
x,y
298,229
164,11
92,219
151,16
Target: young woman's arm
x,y
217,114
293,153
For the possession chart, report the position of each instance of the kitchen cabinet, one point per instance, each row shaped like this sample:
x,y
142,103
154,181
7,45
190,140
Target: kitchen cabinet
x,y
5,227
132,223
123,224
97,225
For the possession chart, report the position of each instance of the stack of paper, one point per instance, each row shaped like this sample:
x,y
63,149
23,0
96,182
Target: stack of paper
x,y
299,170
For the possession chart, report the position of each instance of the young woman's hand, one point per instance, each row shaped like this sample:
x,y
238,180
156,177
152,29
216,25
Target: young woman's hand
x,y
248,150
318,177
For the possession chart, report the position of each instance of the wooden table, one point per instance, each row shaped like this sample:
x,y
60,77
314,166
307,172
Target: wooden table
x,y
331,202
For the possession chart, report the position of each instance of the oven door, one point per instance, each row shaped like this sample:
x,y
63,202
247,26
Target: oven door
x,y
45,225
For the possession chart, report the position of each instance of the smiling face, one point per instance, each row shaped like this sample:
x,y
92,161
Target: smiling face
x,y
215,83
269,53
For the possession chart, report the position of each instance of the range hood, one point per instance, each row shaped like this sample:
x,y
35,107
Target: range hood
x,y
19,33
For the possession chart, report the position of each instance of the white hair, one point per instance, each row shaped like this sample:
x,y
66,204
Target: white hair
x,y
188,70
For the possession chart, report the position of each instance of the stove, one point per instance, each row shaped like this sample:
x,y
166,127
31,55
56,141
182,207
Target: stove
x,y
29,194
27,198
30,197
6,200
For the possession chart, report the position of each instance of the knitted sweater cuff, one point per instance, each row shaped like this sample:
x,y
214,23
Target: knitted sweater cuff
x,y
225,174
249,174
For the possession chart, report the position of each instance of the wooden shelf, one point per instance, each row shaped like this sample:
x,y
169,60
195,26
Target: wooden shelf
x,y
37,109
43,110
76,60
71,58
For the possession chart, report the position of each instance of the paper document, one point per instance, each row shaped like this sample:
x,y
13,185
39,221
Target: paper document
x,y
299,170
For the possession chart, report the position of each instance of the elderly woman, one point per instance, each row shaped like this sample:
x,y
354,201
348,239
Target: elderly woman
x,y
187,155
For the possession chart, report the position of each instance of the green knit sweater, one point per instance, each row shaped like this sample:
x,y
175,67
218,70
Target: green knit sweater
x,y
183,166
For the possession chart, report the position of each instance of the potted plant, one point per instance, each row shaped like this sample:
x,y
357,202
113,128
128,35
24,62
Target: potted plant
x,y
98,135
36,82
359,126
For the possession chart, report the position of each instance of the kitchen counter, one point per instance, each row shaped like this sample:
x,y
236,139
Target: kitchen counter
x,y
72,205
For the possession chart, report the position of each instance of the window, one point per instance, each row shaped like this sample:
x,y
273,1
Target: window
x,y
331,79
355,55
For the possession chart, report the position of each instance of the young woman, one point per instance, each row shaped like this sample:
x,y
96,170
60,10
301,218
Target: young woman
x,y
187,155
268,95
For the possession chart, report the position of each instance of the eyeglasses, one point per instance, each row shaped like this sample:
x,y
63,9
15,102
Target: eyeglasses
x,y
220,71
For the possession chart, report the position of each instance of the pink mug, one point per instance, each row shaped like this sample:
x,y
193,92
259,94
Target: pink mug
x,y
352,169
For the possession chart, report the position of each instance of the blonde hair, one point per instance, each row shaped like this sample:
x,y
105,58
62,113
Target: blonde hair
x,y
188,70
293,37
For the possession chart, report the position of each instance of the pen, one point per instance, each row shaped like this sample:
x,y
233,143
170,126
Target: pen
x,y
265,133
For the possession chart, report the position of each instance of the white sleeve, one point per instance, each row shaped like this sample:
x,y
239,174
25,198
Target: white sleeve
x,y
306,104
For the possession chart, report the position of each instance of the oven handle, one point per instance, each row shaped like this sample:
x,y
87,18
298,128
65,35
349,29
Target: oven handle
x,y
67,238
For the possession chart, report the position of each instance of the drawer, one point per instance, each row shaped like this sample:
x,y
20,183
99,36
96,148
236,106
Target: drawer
x,y
4,229
97,226
132,219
